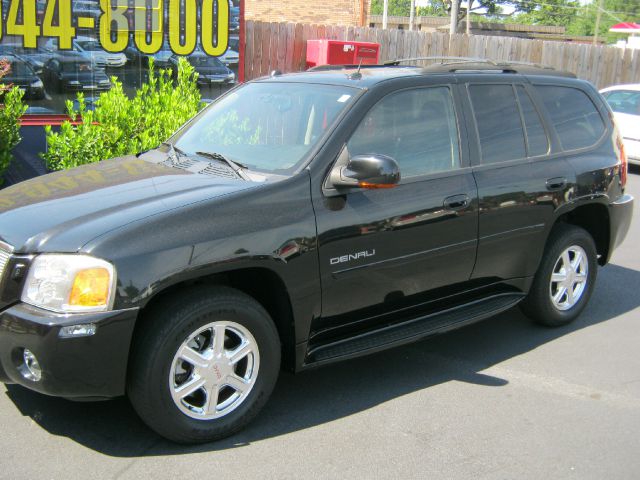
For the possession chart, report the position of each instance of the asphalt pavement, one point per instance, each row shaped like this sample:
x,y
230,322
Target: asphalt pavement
x,y
502,399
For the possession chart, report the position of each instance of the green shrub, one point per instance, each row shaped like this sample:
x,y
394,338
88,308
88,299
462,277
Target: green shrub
x,y
120,125
11,109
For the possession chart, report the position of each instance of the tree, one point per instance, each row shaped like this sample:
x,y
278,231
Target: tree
x,y
120,125
548,12
402,8
11,109
615,11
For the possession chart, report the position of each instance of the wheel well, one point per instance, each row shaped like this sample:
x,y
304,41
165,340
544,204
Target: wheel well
x,y
260,283
594,218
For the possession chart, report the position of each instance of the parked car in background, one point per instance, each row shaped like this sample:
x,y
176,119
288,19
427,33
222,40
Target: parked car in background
x,y
230,58
160,58
72,72
91,49
234,19
234,43
35,57
624,100
22,76
87,9
210,69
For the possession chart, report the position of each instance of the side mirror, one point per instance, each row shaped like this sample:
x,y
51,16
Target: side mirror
x,y
366,171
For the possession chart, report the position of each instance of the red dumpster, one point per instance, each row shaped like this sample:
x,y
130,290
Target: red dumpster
x,y
334,52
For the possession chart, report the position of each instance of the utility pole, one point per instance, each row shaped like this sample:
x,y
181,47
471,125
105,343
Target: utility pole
x,y
385,14
453,27
412,14
469,4
598,15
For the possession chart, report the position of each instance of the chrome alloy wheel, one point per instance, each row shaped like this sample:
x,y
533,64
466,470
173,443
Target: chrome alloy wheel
x,y
214,370
569,278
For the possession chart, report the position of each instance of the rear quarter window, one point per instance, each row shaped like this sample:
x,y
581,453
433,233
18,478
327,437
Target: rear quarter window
x,y
574,116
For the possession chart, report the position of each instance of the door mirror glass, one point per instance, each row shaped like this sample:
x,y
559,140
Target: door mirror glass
x,y
367,171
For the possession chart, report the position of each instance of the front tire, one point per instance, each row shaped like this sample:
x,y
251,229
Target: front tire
x,y
565,278
203,364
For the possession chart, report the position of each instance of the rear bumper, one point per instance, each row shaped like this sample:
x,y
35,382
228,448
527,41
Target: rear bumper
x,y
84,367
620,214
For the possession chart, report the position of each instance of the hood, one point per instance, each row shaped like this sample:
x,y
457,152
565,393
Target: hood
x,y
62,211
20,80
85,77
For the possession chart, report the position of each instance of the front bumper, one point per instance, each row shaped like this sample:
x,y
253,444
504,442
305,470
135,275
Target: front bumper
x,y
203,80
86,88
620,214
82,367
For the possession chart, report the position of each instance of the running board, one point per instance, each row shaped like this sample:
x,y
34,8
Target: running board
x,y
412,330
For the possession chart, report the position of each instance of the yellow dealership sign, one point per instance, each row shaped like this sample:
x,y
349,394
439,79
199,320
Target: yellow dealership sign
x,y
187,24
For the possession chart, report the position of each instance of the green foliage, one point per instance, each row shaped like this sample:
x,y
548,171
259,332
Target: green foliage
x,y
550,12
120,125
227,129
11,109
401,8
577,16
616,11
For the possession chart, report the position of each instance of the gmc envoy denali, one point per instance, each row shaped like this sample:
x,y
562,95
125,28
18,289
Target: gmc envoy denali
x,y
303,219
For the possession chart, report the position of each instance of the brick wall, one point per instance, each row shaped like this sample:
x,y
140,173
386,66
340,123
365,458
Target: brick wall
x,y
329,12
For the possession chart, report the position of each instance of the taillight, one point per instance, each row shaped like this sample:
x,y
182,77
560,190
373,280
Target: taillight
x,y
622,158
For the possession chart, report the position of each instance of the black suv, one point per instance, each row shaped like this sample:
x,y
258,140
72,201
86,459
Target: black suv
x,y
303,219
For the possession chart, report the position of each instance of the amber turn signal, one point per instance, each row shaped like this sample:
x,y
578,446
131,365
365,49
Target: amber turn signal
x,y
90,288
376,185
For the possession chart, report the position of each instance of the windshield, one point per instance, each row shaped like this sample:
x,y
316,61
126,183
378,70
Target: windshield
x,y
19,68
204,61
90,45
76,67
268,127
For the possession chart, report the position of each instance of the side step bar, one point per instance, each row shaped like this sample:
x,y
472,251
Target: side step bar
x,y
412,330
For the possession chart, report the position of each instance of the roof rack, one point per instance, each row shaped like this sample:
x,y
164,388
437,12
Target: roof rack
x,y
448,64
320,68
443,60
446,60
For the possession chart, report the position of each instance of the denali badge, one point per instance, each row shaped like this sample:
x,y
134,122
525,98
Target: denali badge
x,y
352,256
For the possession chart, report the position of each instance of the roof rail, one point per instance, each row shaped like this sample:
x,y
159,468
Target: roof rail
x,y
319,68
445,60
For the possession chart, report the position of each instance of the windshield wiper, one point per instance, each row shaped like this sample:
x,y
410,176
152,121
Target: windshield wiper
x,y
174,153
235,166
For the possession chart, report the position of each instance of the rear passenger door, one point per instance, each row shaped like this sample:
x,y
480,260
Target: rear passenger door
x,y
520,175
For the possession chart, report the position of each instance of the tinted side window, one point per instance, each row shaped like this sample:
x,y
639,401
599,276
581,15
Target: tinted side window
x,y
537,141
574,116
498,121
415,127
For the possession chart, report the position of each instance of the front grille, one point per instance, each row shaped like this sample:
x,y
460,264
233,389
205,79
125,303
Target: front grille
x,y
5,255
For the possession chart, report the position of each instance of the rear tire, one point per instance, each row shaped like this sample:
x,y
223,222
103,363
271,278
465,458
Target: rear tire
x,y
217,343
565,278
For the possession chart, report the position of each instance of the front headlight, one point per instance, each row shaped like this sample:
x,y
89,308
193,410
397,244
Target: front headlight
x,y
70,283
37,84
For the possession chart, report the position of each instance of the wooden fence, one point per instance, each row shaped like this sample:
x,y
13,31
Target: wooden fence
x,y
282,46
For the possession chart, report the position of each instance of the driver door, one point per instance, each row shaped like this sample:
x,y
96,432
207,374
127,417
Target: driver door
x,y
382,249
